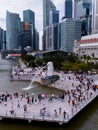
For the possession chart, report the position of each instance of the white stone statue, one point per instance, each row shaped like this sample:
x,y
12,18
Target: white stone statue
x,y
50,68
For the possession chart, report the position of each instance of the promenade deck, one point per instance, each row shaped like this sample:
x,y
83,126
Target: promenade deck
x,y
56,110
50,108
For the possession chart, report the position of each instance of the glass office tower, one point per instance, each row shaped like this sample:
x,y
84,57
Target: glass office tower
x,y
68,8
70,30
95,15
29,17
1,38
12,26
48,6
54,17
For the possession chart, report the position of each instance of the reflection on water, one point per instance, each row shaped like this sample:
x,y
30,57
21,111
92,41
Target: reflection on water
x,y
86,120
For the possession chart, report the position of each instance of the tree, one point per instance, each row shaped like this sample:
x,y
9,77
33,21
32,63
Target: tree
x,y
72,57
39,61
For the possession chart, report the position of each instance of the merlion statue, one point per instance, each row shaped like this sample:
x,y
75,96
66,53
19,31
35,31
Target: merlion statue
x,y
50,68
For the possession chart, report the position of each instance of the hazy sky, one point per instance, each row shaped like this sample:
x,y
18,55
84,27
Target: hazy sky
x,y
17,6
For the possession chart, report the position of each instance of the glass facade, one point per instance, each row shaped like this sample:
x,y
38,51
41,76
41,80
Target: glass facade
x,y
55,38
24,39
54,17
85,13
29,17
4,39
12,26
21,26
52,37
48,6
68,8
70,31
1,38
86,3
95,16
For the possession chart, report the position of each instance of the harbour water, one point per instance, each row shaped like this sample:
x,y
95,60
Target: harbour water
x,y
87,119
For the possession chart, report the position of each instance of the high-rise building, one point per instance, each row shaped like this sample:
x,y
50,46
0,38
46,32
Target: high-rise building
x,y
95,15
24,26
4,39
88,11
61,36
1,38
24,35
68,8
74,5
21,26
48,44
29,18
85,13
48,6
12,26
52,37
49,15
24,39
36,40
54,17
70,30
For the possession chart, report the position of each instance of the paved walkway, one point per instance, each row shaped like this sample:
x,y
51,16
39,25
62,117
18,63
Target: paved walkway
x,y
53,108
79,91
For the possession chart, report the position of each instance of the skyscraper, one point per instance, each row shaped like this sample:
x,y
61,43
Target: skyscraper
x,y
12,26
52,37
95,15
68,8
49,16
70,30
24,39
29,17
48,6
1,38
4,39
54,17
91,11
85,13
24,35
36,40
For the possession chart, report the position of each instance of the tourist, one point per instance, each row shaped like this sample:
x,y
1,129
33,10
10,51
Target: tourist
x,y
64,114
43,111
18,105
32,100
25,108
50,99
60,110
55,113
39,98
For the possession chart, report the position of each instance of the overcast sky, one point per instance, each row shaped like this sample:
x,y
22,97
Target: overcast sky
x,y
17,6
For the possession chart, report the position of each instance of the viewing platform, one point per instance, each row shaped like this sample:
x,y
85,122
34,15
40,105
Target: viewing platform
x,y
48,108
78,91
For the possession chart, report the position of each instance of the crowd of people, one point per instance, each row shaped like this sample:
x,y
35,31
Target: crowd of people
x,y
63,104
